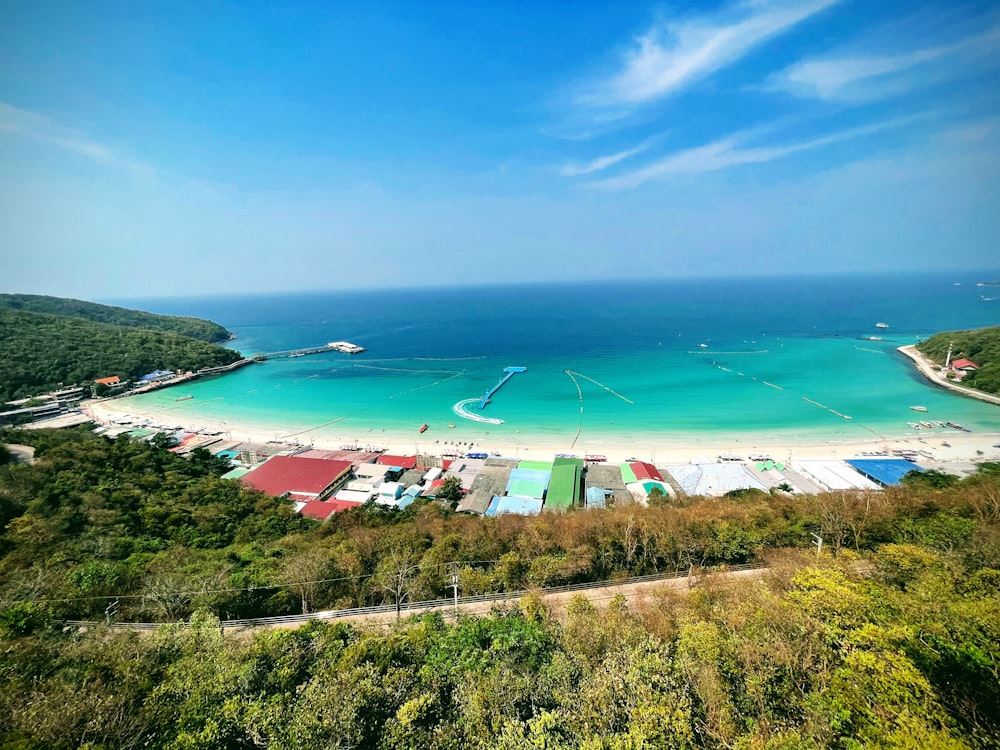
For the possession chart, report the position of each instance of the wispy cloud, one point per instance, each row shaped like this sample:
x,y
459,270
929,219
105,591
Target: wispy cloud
x,y
866,77
670,56
39,127
728,152
602,162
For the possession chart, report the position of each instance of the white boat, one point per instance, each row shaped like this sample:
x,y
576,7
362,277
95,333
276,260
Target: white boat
x,y
881,325
919,408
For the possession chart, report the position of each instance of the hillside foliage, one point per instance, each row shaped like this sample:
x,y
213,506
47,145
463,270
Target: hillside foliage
x,y
193,328
890,639
981,346
40,352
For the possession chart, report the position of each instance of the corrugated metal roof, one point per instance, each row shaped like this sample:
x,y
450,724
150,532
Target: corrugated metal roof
x,y
564,487
885,471
307,476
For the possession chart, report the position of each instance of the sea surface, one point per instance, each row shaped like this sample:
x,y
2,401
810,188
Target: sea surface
x,y
730,360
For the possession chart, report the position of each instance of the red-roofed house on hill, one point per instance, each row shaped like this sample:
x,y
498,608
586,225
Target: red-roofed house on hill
x,y
314,478
964,365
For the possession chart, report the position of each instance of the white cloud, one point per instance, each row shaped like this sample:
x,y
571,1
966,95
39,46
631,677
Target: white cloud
x,y
670,56
602,162
39,127
866,77
728,152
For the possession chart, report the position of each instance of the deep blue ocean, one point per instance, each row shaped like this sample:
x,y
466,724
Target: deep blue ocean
x,y
672,360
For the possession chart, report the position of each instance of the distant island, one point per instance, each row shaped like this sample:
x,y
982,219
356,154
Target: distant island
x,y
51,342
969,358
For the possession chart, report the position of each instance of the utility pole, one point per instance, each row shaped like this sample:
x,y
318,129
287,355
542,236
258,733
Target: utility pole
x,y
818,542
454,586
111,611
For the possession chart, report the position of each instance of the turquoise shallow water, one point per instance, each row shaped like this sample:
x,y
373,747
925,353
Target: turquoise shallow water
x,y
782,358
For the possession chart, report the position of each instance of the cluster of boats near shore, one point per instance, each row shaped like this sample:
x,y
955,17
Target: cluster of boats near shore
x,y
930,425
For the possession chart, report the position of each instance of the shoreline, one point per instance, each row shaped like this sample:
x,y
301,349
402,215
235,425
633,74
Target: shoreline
x,y
926,368
661,449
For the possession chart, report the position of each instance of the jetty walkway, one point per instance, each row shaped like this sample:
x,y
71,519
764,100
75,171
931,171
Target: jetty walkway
x,y
344,347
509,372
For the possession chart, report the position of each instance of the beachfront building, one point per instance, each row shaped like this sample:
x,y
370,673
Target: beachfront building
x,y
304,479
157,376
643,479
565,484
710,479
885,471
834,475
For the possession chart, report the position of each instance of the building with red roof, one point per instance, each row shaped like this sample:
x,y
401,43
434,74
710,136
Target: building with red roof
x,y
964,364
402,462
113,380
644,471
314,478
323,509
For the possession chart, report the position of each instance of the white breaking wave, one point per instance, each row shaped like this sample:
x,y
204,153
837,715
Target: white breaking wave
x,y
459,409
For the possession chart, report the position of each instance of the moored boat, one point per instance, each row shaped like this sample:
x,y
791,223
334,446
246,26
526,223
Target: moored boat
x,y
919,408
423,428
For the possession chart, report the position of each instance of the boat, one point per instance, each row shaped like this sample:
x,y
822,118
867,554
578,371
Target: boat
x,y
919,408
881,325
423,428
871,338
703,346
451,425
184,398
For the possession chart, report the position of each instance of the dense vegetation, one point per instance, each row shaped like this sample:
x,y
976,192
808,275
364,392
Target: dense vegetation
x,y
981,346
890,639
39,351
193,328
94,520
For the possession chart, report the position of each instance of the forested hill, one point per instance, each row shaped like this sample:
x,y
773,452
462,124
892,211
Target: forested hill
x,y
888,639
38,352
195,328
981,346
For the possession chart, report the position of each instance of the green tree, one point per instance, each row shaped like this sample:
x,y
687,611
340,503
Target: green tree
x,y
450,491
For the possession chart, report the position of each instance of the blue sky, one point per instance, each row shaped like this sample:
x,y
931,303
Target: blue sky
x,y
185,148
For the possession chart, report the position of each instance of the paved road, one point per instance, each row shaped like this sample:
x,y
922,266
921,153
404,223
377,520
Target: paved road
x,y
635,594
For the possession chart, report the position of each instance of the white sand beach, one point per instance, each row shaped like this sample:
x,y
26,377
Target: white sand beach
x,y
944,444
